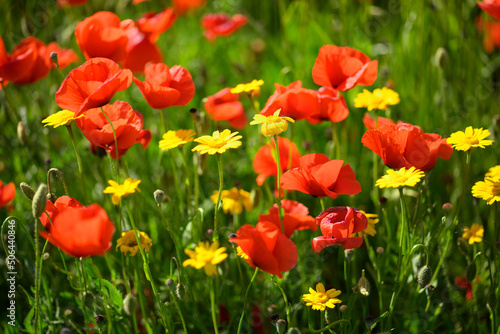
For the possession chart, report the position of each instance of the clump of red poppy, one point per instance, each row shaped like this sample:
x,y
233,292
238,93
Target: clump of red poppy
x,y
295,218
221,24
82,231
7,193
337,224
184,6
165,87
30,61
266,248
491,7
127,124
342,68
319,176
225,106
92,85
406,145
491,33
265,165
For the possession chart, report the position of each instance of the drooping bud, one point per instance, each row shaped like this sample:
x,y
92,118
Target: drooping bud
x,y
274,318
45,256
39,201
159,195
170,284
342,308
424,276
129,304
180,291
27,190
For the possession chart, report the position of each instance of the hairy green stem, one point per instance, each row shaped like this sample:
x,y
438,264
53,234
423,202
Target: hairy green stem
x,y
245,299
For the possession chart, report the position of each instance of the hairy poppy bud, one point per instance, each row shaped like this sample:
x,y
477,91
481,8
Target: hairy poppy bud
x,y
39,201
180,291
159,195
170,284
45,256
27,190
424,276
129,304
280,326
329,316
447,207
470,274
53,58
274,318
99,319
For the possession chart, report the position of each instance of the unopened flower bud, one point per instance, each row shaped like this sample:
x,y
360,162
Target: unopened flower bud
x,y
342,308
274,318
441,57
99,319
21,133
447,207
65,330
180,291
232,235
170,284
45,256
329,316
368,320
382,200
424,276
53,58
129,304
380,250
193,110
27,190
280,326
470,274
348,254
39,201
209,232
159,195
293,330
363,286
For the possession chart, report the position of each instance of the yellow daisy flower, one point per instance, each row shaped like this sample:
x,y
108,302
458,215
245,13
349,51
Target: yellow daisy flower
x,y
272,125
321,299
173,139
494,171
128,242
489,189
372,220
400,178
63,117
120,190
241,253
249,88
205,256
233,200
380,99
474,233
463,141
218,142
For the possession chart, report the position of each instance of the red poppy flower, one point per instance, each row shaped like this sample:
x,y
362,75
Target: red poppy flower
x,y
319,176
81,232
296,217
126,122
406,145
332,107
184,6
337,224
294,101
491,32
463,283
221,24
7,193
266,248
371,124
53,209
140,52
491,7
343,68
103,35
153,24
64,56
224,106
92,85
28,63
265,165
164,87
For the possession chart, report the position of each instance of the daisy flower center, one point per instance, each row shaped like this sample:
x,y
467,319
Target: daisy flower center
x,y
321,298
495,189
473,140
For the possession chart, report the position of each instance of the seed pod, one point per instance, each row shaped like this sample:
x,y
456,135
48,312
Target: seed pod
x,y
129,304
424,276
39,201
470,274
27,190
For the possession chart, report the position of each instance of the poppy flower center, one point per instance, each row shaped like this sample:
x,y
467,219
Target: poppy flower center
x,y
321,298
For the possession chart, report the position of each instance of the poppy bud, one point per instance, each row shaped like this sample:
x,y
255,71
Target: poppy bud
x,y
53,58
293,330
232,235
21,133
380,250
193,110
470,274
363,286
129,304
382,200
447,207
67,312
441,57
368,320
342,308
274,318
180,291
27,190
492,301
280,326
159,195
424,276
463,246
170,284
209,232
45,256
99,319
348,254
39,201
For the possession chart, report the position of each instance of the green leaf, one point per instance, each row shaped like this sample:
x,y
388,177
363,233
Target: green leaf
x,y
112,293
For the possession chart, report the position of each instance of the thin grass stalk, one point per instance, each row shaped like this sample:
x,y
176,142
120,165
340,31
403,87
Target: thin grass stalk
x,y
285,299
37,292
278,178
218,203
212,305
83,292
245,299
79,161
116,144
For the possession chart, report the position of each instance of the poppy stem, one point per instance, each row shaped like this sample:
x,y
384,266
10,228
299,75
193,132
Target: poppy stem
x,y
218,204
287,306
83,292
177,183
252,102
79,161
116,145
188,183
245,300
37,292
212,304
312,330
278,177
